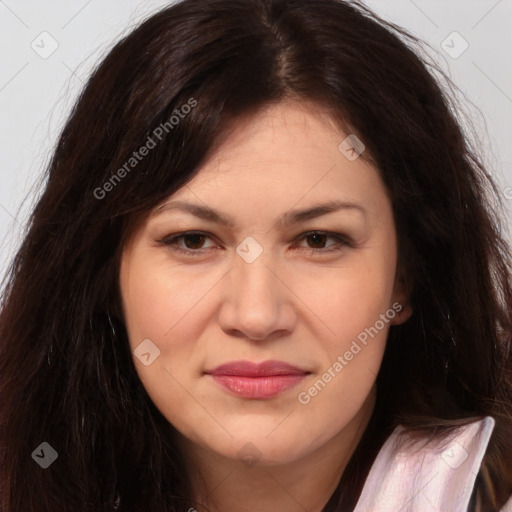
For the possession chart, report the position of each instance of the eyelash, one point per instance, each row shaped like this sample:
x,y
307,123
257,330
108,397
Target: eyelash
x,y
171,240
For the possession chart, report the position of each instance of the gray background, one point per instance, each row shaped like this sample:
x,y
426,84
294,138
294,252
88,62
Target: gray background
x,y
37,90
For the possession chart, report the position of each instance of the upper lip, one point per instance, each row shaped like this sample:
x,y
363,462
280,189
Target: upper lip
x,y
263,369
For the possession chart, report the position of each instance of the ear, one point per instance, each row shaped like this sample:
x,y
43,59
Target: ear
x,y
401,302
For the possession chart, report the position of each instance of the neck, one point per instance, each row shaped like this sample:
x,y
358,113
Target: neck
x,y
226,485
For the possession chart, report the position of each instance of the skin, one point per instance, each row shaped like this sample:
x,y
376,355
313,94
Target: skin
x,y
288,304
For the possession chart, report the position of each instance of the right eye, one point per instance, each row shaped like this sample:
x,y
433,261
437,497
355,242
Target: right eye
x,y
191,239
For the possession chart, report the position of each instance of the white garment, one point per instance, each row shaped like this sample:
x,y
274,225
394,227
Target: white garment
x,y
427,477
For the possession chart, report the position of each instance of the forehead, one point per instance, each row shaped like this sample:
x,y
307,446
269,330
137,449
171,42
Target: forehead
x,y
284,152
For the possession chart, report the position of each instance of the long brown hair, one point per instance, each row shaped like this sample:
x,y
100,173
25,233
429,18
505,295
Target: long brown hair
x,y
66,373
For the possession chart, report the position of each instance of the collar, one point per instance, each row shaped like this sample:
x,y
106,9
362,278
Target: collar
x,y
429,476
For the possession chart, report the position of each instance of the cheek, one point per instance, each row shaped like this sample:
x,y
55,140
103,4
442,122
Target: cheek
x,y
166,304
159,299
354,345
158,306
352,299
360,311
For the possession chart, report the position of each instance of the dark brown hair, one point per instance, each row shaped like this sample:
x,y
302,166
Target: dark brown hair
x,y
66,372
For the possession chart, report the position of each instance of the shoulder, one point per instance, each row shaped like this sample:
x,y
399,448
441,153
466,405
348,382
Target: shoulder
x,y
508,506
429,474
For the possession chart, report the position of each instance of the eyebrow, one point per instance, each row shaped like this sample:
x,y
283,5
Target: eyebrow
x,y
289,218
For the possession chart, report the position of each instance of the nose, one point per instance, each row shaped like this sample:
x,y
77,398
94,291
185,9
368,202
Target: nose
x,y
257,301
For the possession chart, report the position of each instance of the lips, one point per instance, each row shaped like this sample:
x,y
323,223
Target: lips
x,y
257,380
250,369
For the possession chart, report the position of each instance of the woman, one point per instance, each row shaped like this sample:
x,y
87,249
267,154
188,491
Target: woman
x,y
265,274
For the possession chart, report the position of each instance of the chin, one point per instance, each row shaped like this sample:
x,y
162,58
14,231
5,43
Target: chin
x,y
262,450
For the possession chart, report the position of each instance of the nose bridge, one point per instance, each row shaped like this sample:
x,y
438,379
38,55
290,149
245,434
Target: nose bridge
x,y
256,302
256,277
253,283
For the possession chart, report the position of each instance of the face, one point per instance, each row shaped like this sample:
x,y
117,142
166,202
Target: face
x,y
267,274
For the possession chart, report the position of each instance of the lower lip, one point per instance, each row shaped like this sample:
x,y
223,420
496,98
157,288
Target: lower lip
x,y
258,387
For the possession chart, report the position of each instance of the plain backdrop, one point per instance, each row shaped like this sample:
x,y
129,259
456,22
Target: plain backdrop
x,y
48,49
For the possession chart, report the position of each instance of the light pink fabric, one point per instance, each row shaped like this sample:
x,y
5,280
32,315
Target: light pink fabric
x,y
427,476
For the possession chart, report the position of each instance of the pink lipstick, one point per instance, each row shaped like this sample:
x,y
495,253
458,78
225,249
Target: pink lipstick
x,y
257,380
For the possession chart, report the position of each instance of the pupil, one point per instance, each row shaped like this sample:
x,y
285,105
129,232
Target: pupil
x,y
315,238
195,240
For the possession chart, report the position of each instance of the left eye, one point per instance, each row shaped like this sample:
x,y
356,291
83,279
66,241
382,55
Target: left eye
x,y
194,241
319,237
